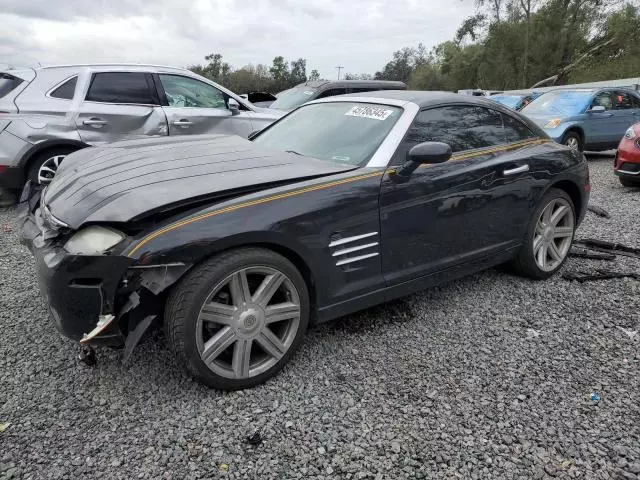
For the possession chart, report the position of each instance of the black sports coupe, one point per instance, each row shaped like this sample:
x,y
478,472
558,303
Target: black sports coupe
x,y
239,245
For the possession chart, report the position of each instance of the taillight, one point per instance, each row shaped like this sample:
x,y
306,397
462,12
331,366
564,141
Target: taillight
x,y
3,168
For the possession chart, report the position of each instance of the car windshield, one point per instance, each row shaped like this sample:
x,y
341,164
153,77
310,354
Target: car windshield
x,y
560,103
294,97
511,101
345,132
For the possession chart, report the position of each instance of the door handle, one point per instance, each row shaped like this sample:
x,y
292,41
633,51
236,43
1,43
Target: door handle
x,y
183,122
95,122
516,170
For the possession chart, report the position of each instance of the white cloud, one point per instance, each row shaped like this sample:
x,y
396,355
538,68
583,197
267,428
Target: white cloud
x,y
360,35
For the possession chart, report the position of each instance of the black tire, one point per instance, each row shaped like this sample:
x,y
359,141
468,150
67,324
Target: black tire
x,y
573,136
525,263
629,182
40,158
186,299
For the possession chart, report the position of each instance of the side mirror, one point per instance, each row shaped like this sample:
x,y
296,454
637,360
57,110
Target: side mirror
x,y
234,106
426,152
596,109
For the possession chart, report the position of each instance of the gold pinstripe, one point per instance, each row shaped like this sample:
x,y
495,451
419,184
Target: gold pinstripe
x,y
280,196
503,148
251,203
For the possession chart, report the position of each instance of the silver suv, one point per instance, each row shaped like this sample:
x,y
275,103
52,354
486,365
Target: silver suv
x,y
48,112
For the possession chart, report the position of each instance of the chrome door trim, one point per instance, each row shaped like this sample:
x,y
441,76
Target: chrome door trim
x,y
516,170
342,241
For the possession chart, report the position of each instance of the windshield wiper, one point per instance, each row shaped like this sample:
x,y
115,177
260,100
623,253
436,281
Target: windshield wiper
x,y
294,152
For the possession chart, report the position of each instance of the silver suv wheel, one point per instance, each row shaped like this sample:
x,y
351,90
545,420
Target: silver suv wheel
x,y
572,142
48,169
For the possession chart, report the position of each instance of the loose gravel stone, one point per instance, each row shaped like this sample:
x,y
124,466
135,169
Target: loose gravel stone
x,y
490,376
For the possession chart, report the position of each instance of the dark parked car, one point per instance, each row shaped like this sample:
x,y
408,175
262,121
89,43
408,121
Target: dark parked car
x,y
344,203
306,92
260,99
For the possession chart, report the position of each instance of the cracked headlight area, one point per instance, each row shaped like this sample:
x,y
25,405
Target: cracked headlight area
x,y
93,240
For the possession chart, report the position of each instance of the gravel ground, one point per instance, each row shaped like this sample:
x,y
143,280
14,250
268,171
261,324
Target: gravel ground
x,y
487,377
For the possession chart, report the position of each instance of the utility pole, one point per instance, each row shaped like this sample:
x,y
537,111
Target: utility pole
x,y
339,70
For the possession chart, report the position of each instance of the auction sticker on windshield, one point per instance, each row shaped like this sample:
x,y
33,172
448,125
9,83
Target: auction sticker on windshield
x,y
375,113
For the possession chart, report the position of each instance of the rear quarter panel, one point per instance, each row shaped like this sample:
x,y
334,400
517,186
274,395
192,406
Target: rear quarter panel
x,y
557,166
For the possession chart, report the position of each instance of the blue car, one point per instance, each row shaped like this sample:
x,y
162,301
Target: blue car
x,y
515,101
586,119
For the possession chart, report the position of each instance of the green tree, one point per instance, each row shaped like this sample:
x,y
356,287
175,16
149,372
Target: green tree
x,y
620,57
403,63
280,73
314,75
358,76
298,71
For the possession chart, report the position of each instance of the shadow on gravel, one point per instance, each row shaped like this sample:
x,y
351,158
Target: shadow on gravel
x,y
601,156
405,309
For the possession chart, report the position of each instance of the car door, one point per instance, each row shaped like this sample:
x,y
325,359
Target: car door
x,y
635,102
474,206
601,128
624,113
194,107
120,105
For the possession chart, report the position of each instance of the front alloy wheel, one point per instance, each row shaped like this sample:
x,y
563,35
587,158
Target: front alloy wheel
x,y
248,322
573,141
236,319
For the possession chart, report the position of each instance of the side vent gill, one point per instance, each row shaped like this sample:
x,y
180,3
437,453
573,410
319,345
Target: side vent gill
x,y
348,250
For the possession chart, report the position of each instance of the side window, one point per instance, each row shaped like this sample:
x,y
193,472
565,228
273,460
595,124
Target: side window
x,y
332,92
603,99
121,87
462,127
66,90
8,83
635,100
515,130
622,100
526,101
189,92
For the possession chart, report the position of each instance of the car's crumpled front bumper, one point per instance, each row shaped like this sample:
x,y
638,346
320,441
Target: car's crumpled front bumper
x,y
78,289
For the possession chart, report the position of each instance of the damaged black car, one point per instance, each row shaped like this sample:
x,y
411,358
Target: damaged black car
x,y
235,247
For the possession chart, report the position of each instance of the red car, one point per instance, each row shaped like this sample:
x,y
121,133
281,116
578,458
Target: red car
x,y
627,163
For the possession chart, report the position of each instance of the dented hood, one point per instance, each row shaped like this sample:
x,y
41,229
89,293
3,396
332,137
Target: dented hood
x,y
125,180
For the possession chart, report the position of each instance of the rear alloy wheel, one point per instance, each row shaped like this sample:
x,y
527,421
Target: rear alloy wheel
x,y
573,141
49,168
549,237
553,234
235,321
45,165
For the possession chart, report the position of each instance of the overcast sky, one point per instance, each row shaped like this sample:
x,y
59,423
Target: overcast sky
x,y
361,35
